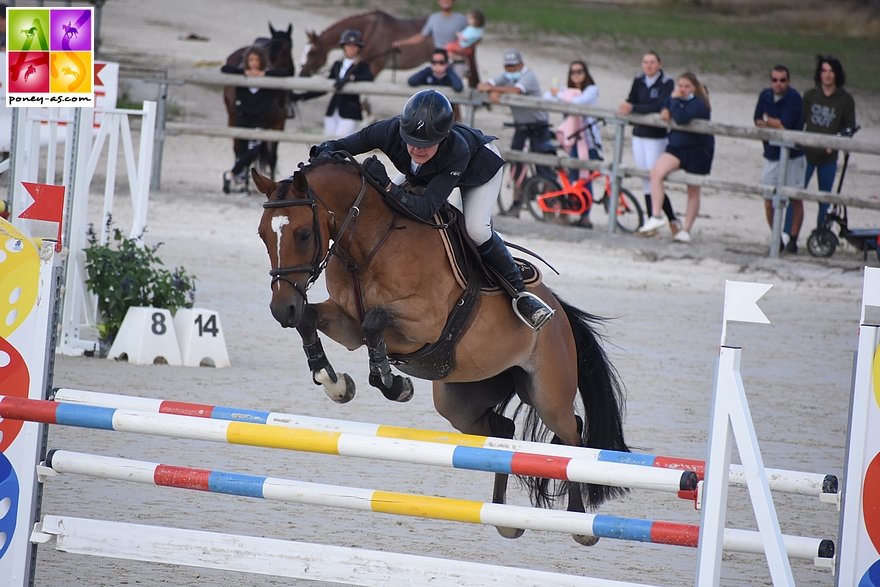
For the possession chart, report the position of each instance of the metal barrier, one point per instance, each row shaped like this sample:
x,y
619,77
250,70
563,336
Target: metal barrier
x,y
785,139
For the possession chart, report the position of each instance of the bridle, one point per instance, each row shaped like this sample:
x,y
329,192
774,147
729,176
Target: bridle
x,y
319,261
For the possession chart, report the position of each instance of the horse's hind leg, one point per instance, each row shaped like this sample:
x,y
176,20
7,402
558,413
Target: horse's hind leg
x,y
393,387
339,389
469,407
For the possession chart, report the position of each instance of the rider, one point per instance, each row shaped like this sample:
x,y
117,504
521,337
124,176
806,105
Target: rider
x,y
436,154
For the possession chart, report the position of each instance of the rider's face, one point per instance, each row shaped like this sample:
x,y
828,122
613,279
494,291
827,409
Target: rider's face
x,y
253,61
650,64
351,50
421,155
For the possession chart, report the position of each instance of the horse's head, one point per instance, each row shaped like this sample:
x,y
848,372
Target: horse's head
x,y
281,48
291,230
314,55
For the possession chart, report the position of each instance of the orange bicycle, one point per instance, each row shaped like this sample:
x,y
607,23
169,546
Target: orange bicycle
x,y
550,199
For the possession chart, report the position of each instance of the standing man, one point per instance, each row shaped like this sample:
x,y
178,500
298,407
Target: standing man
x,y
440,26
780,106
828,109
650,90
530,124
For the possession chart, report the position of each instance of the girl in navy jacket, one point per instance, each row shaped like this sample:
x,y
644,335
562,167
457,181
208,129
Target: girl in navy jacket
x,y
690,151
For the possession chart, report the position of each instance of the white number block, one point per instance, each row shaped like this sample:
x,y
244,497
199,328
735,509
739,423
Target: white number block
x,y
200,338
146,337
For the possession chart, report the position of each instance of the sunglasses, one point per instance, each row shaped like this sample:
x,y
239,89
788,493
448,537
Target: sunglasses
x,y
573,71
778,79
438,63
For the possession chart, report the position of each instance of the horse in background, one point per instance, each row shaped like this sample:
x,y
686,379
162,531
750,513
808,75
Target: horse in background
x,y
279,49
379,31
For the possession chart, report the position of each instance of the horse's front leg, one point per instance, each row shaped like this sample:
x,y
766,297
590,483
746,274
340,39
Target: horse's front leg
x,y
339,389
394,387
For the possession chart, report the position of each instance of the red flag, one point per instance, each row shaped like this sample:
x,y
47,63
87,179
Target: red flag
x,y
48,205
98,68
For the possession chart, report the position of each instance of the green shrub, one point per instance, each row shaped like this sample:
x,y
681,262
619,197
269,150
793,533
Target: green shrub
x,y
125,273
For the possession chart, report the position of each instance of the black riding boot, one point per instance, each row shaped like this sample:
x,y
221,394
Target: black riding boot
x,y
530,308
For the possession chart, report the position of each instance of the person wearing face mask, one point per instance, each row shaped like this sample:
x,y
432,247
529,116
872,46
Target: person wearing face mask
x,y
530,124
690,151
433,154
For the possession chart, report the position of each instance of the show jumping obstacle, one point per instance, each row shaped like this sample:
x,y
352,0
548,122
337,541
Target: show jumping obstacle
x,y
29,350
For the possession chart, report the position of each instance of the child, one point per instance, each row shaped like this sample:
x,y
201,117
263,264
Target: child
x,y
467,37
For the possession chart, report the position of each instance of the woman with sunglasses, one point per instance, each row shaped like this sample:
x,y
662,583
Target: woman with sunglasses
x,y
579,135
438,73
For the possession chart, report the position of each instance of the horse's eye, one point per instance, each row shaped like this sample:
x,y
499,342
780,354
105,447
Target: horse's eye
x,y
304,235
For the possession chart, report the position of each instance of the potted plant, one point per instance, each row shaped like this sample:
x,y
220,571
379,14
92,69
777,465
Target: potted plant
x,y
126,273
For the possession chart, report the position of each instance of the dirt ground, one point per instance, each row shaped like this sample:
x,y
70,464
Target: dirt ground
x,y
664,301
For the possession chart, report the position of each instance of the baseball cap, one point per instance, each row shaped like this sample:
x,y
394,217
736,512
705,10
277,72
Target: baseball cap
x,y
512,57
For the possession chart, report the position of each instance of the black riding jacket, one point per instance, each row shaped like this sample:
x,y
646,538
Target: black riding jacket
x,y
646,100
461,161
251,107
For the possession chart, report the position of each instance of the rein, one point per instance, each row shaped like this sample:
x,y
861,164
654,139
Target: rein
x,y
319,262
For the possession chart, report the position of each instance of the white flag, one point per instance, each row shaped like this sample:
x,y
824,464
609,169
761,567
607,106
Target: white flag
x,y
741,302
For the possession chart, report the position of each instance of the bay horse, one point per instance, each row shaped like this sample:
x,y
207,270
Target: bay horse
x,y
279,49
379,30
392,288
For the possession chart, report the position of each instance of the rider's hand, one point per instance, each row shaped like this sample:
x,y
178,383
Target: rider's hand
x,y
374,168
340,83
325,149
625,108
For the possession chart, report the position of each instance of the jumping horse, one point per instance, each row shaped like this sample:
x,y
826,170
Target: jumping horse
x,y
379,31
279,49
392,288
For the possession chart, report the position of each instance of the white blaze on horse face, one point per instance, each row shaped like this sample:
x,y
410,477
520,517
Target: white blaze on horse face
x,y
305,55
278,222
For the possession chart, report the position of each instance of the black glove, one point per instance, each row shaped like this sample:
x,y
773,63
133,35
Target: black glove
x,y
326,149
340,83
374,168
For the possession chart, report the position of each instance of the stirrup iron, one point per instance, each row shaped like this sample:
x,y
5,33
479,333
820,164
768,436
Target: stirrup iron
x,y
537,319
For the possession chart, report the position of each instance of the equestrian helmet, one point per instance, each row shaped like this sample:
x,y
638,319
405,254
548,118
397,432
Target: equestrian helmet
x,y
426,120
351,37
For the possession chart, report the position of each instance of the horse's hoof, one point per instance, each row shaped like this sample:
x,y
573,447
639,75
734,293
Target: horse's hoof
x,y
401,389
585,540
511,533
341,391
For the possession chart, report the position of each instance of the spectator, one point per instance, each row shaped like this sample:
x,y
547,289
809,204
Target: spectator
x,y
579,136
344,110
438,73
249,108
440,26
434,155
466,38
530,124
649,92
828,109
780,106
692,152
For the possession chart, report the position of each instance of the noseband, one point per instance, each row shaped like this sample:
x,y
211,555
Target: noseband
x,y
316,266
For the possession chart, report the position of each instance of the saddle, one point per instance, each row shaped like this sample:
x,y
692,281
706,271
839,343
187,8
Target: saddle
x,y
437,360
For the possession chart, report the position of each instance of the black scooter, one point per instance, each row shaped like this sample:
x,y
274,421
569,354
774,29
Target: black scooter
x,y
823,242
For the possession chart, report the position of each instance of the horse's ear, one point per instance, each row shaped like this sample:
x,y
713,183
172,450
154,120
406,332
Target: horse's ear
x,y
289,29
313,37
271,29
299,182
263,183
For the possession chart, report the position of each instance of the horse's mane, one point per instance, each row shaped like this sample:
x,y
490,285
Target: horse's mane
x,y
345,23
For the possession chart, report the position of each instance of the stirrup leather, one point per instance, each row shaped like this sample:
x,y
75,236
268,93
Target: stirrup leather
x,y
537,319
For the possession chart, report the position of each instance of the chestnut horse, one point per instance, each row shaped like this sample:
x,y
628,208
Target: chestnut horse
x,y
379,30
279,51
391,286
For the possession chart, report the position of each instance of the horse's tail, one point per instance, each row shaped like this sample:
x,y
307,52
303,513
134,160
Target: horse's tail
x,y
602,394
